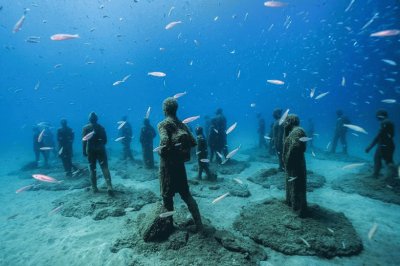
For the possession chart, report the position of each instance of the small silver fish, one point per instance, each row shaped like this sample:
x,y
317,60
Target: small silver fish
x,y
167,214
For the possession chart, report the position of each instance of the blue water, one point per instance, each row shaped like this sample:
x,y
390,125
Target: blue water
x,y
315,43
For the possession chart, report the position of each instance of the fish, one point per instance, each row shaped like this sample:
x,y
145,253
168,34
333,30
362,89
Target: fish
x,y
45,178
178,144
172,24
267,137
63,36
355,128
220,198
312,153
12,216
330,230
372,231
37,86
355,134
389,101
274,4
305,139
238,74
119,139
283,117
46,148
17,27
216,130
25,188
238,181
275,81
40,137
390,62
121,125
190,119
117,82
321,95
57,209
126,77
60,151
170,10
343,82
205,160
232,153
129,209
88,136
312,92
157,74
57,66
291,179
328,145
385,33
148,113
305,242
167,214
159,148
216,18
352,166
349,6
231,128
220,155
370,21
179,95
224,161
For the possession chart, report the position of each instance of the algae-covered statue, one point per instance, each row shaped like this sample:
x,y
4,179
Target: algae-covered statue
x,y
295,165
176,142
385,145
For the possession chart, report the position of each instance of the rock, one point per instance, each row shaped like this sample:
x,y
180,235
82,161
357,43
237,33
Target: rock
x,y
231,167
321,154
274,225
152,227
100,206
260,155
183,247
134,170
214,187
362,183
274,178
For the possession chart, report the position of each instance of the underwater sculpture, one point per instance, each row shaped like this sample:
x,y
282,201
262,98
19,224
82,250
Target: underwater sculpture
x,y
385,145
176,142
125,132
202,155
93,145
295,165
65,138
147,134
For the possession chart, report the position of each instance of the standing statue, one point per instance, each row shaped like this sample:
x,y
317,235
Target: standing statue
x,y
295,165
176,141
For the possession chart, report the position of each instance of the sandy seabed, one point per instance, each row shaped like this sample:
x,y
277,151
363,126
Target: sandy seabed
x,y
31,235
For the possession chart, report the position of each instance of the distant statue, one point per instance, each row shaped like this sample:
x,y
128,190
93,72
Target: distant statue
x,y
202,154
271,146
147,135
220,121
277,136
213,141
385,145
65,137
310,132
176,141
261,132
295,165
125,132
94,140
340,132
